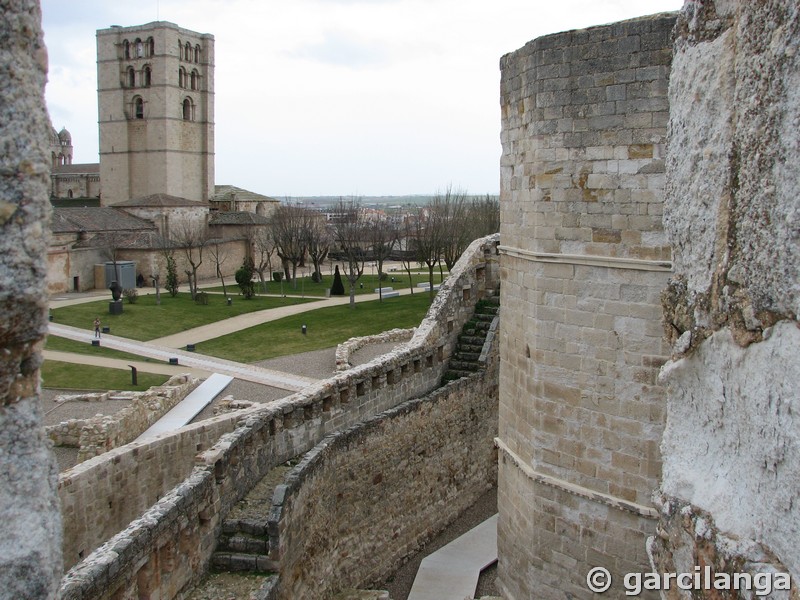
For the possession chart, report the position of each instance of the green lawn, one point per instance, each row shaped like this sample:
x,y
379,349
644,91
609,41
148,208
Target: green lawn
x,y
65,345
61,375
145,321
306,287
326,327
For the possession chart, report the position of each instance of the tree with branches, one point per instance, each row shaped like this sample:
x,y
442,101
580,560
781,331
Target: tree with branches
x,y
263,247
349,235
192,239
382,238
450,207
428,241
219,254
317,242
288,232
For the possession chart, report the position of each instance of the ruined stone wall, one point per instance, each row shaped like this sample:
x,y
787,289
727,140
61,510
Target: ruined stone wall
x,y
346,349
584,260
732,445
366,498
30,557
168,548
99,434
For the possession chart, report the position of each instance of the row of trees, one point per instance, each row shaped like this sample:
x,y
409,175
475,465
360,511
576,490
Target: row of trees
x,y
433,235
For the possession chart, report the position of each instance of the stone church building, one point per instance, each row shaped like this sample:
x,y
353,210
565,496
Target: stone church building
x,y
155,180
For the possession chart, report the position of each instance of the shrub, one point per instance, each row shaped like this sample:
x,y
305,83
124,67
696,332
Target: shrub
x,y
172,277
244,279
316,277
337,289
277,276
131,295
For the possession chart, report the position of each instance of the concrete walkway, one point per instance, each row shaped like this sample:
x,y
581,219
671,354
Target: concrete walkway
x,y
188,408
285,381
125,365
451,573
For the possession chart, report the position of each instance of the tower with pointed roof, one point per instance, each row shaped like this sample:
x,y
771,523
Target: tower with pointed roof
x,y
156,112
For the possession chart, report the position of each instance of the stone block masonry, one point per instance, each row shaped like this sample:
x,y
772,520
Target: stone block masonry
x,y
366,498
584,259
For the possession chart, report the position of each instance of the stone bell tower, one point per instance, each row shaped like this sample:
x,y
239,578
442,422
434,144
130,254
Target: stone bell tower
x,y
156,112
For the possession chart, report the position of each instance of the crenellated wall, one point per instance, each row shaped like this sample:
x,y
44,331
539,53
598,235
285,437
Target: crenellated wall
x,y
731,445
366,498
584,259
168,548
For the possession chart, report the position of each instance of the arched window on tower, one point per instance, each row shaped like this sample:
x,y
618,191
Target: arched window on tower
x,y
180,50
181,77
197,53
146,76
130,78
195,80
139,48
69,193
188,110
138,108
187,51
151,46
127,49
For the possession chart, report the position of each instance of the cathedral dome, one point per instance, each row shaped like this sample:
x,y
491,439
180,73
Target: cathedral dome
x,y
64,136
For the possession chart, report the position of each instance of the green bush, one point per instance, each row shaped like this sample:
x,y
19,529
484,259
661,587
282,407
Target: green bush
x,y
244,279
131,295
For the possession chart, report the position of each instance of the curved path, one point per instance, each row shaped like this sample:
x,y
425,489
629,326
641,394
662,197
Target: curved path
x,y
209,364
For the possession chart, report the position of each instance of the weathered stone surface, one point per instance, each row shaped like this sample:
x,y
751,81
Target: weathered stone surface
x,y
30,529
731,446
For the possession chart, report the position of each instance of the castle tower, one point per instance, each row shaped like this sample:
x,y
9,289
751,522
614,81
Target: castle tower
x,y
156,112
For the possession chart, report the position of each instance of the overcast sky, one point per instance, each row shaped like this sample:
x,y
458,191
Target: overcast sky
x,y
334,97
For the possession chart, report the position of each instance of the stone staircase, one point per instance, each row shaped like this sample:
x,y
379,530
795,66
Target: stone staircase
x,y
466,358
243,545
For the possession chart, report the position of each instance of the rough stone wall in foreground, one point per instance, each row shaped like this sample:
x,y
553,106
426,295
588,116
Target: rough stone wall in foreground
x,y
732,212
584,259
30,528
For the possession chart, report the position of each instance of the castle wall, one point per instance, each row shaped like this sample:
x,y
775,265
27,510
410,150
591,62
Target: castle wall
x,y
168,548
584,259
731,310
366,498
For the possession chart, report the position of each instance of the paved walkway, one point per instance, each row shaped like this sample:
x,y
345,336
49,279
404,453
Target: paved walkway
x,y
451,573
285,381
188,408
119,363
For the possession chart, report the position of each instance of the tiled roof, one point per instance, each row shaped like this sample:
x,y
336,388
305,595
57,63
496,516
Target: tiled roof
x,y
96,219
223,193
160,200
238,218
77,169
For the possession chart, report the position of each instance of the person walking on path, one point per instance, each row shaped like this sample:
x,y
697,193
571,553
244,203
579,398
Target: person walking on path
x,y
97,327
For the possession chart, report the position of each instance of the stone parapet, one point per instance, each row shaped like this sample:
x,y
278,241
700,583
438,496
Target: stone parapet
x,y
366,498
346,349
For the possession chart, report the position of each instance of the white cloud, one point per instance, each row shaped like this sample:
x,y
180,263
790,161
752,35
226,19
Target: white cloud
x,y
335,96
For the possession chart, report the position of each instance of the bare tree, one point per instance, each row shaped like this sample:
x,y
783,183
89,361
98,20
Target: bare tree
x,y
382,238
451,209
288,232
483,216
317,241
111,243
349,236
263,249
219,254
428,240
192,239
407,244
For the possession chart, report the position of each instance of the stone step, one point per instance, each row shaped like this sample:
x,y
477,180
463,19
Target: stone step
x,y
466,356
483,317
243,543
248,526
463,365
475,348
475,341
237,562
452,374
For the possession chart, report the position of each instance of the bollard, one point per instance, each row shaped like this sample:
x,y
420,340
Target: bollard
x,y
303,329
133,375
190,347
230,301
95,342
173,361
